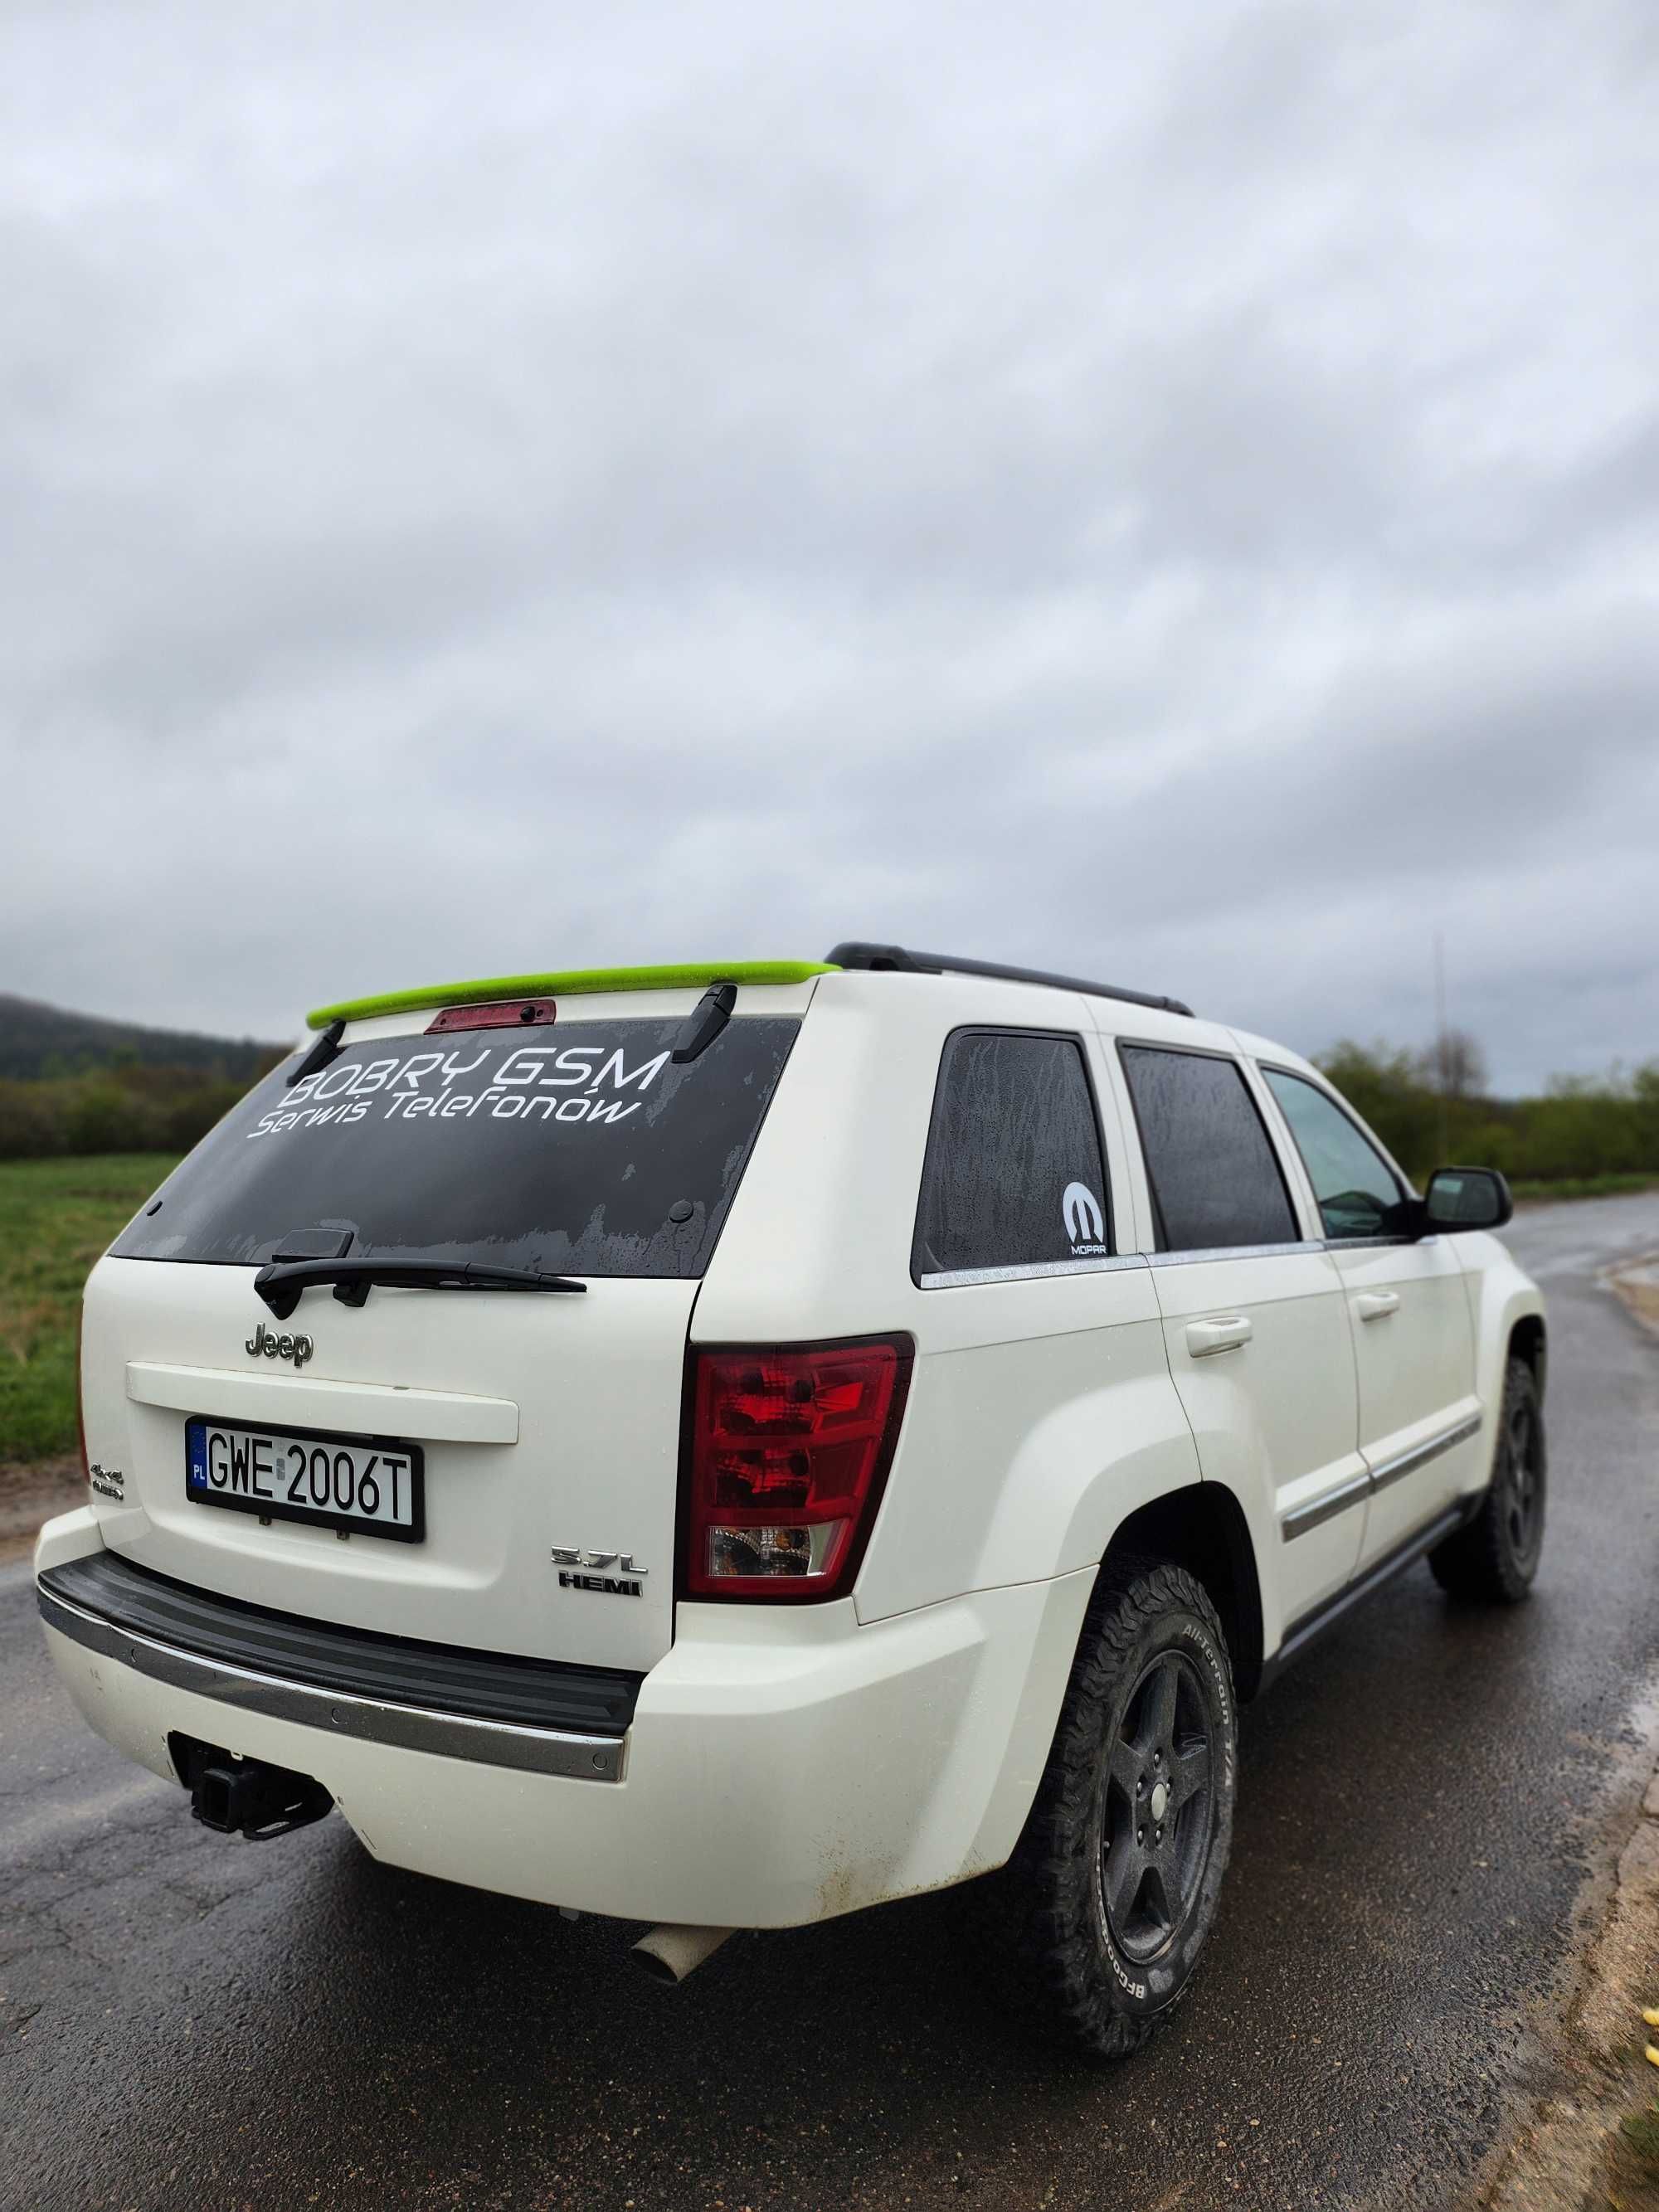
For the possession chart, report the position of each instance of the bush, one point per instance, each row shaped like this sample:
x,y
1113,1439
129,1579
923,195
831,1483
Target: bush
x,y
1582,1129
128,1109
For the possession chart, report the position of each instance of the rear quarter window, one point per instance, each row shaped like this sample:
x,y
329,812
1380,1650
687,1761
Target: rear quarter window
x,y
580,1150
1013,1177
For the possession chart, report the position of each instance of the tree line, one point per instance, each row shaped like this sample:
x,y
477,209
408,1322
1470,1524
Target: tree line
x,y
127,1107
38,1041
1431,1108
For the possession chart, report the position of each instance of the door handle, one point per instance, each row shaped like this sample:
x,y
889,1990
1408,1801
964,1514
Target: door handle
x,y
1220,1333
1376,1305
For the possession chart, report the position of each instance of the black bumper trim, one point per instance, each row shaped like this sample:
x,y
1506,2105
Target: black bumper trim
x,y
354,1662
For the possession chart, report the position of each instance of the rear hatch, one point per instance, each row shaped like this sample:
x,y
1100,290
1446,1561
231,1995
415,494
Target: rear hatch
x,y
520,1447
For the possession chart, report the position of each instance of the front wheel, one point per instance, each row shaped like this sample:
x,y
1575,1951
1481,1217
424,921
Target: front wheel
x,y
1496,1556
1115,1882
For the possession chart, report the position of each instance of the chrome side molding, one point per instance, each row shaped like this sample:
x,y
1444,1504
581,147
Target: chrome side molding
x,y
1407,1462
1301,1518
1321,1509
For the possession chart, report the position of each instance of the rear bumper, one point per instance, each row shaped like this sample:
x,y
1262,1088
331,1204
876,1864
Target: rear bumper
x,y
506,1712
781,1765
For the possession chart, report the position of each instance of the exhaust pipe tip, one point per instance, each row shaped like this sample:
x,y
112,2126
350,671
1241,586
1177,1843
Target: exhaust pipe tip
x,y
669,1953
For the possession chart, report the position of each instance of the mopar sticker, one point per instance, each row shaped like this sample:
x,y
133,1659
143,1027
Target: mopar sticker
x,y
1085,1221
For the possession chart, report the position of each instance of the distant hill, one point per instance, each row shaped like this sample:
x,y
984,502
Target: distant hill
x,y
39,1041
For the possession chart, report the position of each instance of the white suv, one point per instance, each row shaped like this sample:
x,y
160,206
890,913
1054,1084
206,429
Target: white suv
x,y
979,1380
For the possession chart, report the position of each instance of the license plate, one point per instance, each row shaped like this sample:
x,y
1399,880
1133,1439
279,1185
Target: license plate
x,y
373,1485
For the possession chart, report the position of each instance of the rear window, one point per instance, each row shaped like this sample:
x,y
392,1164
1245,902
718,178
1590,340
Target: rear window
x,y
586,1152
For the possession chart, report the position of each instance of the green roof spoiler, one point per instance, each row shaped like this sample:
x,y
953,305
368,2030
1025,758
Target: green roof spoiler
x,y
570,983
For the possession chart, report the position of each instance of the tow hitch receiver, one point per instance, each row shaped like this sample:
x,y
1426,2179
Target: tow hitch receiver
x,y
245,1796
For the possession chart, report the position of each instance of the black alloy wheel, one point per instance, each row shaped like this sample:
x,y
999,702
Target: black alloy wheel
x,y
1157,1809
1495,1556
1112,1890
1520,1476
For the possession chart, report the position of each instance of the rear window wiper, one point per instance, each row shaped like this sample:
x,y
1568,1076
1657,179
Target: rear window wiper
x,y
326,1048
705,1022
281,1283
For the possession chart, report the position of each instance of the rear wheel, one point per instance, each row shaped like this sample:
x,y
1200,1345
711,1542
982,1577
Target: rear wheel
x,y
1114,1882
1496,1556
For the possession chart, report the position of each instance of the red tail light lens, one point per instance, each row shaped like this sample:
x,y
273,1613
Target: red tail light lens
x,y
788,1450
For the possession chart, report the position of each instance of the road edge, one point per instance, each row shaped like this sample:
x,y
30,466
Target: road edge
x,y
30,1495
1575,2146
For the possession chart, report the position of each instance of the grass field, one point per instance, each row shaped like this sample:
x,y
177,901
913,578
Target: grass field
x,y
1605,1186
55,1217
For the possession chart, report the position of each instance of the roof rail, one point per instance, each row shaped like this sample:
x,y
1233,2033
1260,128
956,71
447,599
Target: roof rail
x,y
855,954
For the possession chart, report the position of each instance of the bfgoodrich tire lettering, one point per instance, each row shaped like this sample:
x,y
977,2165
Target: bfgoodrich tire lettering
x,y
1113,1888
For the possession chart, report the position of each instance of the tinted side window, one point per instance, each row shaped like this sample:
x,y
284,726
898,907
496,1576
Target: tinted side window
x,y
1013,1175
1358,1192
1215,1177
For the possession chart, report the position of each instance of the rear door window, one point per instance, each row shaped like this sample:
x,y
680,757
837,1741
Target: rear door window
x,y
1215,1178
1014,1176
581,1151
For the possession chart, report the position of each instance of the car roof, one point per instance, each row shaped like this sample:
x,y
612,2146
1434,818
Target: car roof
x,y
1118,1010
567,983
853,953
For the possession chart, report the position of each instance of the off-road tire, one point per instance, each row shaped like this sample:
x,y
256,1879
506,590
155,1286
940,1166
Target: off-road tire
x,y
1495,1556
1068,1962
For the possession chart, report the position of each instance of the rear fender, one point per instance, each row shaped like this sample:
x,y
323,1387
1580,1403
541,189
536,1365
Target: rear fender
x,y
1079,1472
1204,1528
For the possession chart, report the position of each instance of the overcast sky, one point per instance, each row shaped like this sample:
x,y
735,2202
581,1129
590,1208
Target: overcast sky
x,y
1169,494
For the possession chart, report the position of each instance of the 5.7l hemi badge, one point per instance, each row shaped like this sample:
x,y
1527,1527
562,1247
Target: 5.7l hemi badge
x,y
583,1571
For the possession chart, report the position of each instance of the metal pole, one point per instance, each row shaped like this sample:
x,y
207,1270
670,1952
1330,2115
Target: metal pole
x,y
1441,1053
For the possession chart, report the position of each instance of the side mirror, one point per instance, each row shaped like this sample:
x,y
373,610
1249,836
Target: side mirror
x,y
1465,1198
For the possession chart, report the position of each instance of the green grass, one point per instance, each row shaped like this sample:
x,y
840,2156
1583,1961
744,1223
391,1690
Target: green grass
x,y
55,1217
1640,2163
1603,1186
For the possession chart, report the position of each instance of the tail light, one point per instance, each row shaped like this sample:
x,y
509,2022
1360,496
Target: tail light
x,y
788,1451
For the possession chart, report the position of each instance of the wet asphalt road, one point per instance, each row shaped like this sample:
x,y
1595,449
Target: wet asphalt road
x,y
1430,1803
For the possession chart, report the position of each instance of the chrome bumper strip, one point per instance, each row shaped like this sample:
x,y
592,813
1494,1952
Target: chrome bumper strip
x,y
448,1735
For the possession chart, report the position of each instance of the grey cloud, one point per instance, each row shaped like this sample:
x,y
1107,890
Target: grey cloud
x,y
1169,494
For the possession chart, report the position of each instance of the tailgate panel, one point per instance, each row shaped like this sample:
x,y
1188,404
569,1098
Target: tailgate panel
x,y
590,1387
